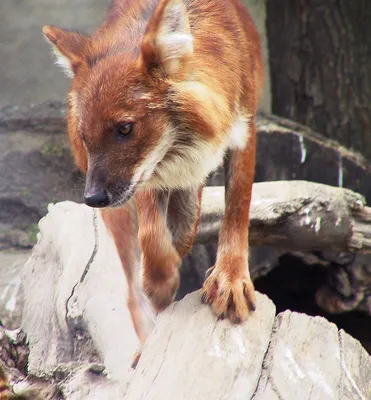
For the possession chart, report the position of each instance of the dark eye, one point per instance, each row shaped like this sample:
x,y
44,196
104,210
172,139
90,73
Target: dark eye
x,y
126,129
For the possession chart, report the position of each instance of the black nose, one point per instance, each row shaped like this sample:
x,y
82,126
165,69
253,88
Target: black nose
x,y
96,199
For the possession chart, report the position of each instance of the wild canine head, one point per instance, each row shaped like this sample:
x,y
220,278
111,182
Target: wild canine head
x,y
126,84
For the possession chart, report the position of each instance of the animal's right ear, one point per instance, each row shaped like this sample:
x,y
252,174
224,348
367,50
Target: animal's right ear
x,y
69,47
168,43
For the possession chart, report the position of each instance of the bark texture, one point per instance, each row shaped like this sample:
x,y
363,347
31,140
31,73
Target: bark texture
x,y
320,66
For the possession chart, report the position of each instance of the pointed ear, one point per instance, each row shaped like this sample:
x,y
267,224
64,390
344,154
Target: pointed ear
x,y
168,42
68,47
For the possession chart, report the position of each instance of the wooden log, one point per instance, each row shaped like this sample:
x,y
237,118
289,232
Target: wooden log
x,y
71,322
191,356
297,215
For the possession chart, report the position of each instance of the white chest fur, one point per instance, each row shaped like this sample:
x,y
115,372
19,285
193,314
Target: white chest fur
x,y
192,165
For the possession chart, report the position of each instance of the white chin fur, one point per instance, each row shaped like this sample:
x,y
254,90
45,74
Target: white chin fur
x,y
144,172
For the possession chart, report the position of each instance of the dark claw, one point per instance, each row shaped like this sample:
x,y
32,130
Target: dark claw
x,y
252,306
221,317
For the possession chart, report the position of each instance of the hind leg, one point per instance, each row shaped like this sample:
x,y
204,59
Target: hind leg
x,y
183,217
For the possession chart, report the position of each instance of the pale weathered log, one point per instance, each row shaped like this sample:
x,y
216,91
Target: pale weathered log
x,y
71,263
191,356
297,215
75,314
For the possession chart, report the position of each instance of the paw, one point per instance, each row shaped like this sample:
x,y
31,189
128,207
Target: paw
x,y
161,293
161,283
229,297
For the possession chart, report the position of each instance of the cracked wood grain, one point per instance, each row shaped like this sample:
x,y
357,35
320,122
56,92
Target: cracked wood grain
x,y
74,318
199,347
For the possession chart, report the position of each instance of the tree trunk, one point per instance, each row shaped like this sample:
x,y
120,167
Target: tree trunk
x,y
320,58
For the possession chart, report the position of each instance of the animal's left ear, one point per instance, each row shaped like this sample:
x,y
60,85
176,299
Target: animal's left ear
x,y
168,42
69,47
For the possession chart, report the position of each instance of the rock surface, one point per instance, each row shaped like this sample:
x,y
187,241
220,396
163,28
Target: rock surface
x,y
296,215
75,316
307,359
36,169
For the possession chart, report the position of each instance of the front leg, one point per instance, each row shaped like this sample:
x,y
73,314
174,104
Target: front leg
x,y
228,287
123,226
160,259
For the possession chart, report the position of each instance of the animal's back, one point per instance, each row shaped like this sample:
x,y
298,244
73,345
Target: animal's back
x,y
225,40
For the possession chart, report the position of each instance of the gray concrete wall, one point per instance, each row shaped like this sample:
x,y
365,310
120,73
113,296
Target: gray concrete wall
x,y
27,73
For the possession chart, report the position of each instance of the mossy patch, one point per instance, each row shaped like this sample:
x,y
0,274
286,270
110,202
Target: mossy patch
x,y
32,230
26,192
52,148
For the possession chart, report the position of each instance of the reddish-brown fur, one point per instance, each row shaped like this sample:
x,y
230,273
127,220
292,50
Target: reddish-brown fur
x,y
192,97
123,225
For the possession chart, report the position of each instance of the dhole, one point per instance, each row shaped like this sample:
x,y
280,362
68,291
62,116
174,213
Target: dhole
x,y
159,95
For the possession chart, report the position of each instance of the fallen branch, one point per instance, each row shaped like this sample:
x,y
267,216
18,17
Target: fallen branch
x,y
297,215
